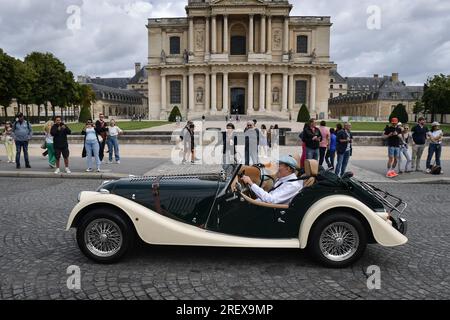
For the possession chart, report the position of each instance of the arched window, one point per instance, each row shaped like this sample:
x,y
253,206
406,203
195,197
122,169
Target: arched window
x,y
238,39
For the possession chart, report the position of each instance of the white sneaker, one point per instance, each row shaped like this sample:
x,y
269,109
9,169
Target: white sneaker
x,y
89,170
109,162
118,161
98,170
68,171
428,171
57,171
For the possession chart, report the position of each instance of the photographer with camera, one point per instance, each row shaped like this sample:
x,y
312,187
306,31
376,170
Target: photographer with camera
x,y
59,132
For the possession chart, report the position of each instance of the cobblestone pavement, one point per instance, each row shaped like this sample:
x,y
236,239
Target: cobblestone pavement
x,y
35,252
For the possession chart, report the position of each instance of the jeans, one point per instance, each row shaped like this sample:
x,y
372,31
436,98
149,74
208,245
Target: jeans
x,y
22,145
92,148
113,145
405,152
312,154
342,162
417,151
322,153
436,149
329,158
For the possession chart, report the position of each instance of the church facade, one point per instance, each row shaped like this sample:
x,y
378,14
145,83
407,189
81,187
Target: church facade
x,y
239,57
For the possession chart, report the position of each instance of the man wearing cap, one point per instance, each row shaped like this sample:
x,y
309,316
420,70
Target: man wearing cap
x,y
435,135
285,188
419,135
391,134
22,133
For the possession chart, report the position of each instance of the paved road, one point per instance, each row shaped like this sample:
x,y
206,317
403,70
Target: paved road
x,y
35,252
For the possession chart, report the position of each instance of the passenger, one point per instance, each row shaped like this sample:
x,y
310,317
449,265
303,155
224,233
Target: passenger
x,y
285,188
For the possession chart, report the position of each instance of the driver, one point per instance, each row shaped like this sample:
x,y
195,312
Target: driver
x,y
285,188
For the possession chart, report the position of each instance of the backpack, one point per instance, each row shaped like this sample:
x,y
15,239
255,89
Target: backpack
x,y
15,125
436,170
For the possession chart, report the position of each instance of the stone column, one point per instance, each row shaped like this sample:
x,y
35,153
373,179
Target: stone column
x,y
269,92
263,33
207,35
207,93
191,34
269,35
213,35
286,35
262,93
213,92
284,99
313,95
251,32
250,92
191,92
163,40
291,92
225,34
163,94
225,93
185,93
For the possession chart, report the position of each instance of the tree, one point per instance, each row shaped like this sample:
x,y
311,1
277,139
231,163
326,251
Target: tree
x,y
174,113
303,114
7,79
418,108
85,96
25,81
400,113
50,77
436,96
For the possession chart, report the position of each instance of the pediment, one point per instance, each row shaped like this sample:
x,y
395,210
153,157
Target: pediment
x,y
237,2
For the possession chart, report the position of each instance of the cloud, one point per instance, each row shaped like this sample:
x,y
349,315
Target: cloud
x,y
413,39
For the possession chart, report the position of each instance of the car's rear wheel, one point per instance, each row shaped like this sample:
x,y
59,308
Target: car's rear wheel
x,y
104,235
337,240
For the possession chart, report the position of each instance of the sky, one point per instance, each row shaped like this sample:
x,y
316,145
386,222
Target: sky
x,y
106,37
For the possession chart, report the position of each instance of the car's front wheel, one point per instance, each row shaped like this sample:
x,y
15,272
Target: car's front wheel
x,y
104,235
337,240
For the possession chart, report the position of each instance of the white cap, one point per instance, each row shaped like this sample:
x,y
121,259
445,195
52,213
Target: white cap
x,y
435,124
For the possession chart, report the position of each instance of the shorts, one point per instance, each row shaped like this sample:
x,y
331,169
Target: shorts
x,y
394,152
65,153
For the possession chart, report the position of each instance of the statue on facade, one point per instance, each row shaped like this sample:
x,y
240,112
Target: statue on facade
x,y
277,39
185,56
290,54
313,55
163,56
199,95
276,95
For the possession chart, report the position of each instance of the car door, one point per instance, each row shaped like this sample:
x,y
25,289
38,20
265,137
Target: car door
x,y
235,216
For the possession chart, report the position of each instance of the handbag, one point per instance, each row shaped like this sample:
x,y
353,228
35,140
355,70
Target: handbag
x,y
100,138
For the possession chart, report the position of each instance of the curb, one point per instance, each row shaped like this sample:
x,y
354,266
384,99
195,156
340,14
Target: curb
x,y
87,176
105,176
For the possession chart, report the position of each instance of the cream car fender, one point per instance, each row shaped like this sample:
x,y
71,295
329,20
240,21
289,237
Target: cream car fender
x,y
154,228
382,231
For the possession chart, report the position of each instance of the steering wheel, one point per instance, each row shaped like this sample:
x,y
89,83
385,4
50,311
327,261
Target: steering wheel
x,y
263,178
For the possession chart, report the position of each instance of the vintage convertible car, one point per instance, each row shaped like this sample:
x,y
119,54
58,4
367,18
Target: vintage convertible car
x,y
334,218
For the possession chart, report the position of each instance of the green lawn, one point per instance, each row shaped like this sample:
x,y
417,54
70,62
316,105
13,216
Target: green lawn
x,y
379,126
124,125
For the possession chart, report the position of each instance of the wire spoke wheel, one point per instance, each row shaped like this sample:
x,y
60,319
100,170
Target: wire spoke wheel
x,y
103,237
339,241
